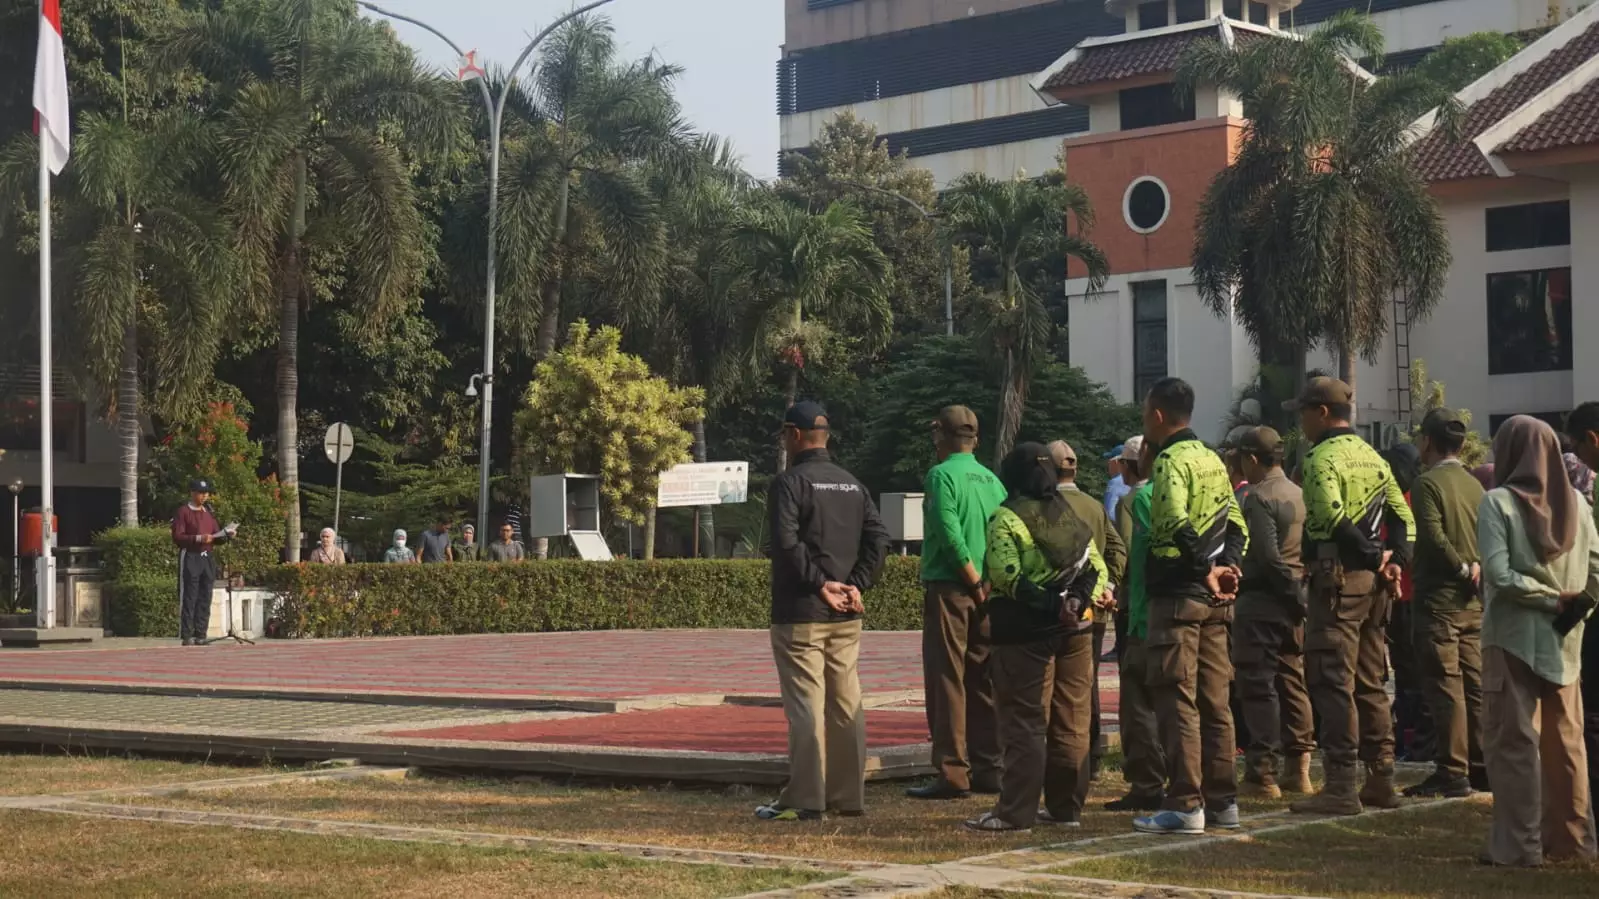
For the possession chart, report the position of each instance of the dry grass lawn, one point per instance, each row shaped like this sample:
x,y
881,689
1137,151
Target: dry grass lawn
x,y
48,856
895,829
1426,854
53,771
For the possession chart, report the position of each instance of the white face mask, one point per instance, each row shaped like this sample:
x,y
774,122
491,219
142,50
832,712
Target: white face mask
x,y
400,542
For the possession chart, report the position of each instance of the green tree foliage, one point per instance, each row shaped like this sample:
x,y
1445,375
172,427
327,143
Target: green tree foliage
x,y
1427,395
1018,230
817,282
896,450
312,104
384,489
216,445
1459,61
594,409
849,161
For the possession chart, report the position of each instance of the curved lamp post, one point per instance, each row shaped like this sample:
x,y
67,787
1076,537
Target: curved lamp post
x,y
495,107
949,246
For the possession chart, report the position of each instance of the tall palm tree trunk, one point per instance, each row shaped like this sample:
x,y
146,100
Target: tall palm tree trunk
x,y
649,533
128,433
704,516
790,388
550,320
288,374
1011,399
1346,373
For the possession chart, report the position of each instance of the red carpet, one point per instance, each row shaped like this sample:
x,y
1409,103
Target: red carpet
x,y
726,728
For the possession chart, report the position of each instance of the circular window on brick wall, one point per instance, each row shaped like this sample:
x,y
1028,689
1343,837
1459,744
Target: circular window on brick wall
x,y
1146,205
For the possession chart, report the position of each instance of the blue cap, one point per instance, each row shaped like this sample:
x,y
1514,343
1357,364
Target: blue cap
x,y
1115,453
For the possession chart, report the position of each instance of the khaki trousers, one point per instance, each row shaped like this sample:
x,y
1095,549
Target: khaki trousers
x,y
1269,654
1449,642
1346,664
1144,763
1190,676
1044,692
1537,764
959,687
816,669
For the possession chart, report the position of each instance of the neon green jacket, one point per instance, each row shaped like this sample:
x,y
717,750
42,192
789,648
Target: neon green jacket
x,y
1350,493
1023,608
1137,559
1194,519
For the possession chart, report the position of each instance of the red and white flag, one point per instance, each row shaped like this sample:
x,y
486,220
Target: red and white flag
x,y
50,89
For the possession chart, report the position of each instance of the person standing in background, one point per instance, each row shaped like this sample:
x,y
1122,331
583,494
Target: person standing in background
x,y
195,532
1197,539
468,550
1144,767
827,546
436,543
1116,485
960,495
327,551
398,552
1108,541
1414,740
1351,497
1582,426
1269,625
1540,573
507,548
1448,608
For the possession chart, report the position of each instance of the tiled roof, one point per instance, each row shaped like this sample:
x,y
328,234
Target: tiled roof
x,y
1437,159
1132,58
1573,123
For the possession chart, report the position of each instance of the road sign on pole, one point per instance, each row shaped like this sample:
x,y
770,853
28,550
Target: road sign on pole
x,y
338,444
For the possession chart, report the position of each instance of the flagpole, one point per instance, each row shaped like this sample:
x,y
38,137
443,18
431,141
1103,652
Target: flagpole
x,y
46,606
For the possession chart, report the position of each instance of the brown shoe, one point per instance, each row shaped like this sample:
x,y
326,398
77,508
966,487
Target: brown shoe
x,y
1258,788
1338,797
1296,775
1379,789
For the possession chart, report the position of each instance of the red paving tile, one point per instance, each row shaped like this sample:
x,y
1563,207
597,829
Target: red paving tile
x,y
744,729
601,665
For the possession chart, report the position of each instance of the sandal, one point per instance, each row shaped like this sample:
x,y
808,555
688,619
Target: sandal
x,y
988,822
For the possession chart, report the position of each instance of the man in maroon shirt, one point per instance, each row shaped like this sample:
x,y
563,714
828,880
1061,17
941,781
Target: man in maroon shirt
x,y
196,532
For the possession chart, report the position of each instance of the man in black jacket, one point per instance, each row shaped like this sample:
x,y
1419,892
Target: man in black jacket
x,y
827,545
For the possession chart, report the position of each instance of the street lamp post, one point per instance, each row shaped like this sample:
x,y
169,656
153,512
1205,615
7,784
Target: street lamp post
x,y
16,541
949,245
495,107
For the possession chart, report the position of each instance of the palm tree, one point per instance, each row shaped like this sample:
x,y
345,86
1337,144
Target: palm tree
x,y
813,277
1321,219
312,107
1020,228
601,121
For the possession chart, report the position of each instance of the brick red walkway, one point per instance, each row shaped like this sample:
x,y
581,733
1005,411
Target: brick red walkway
x,y
600,665
726,728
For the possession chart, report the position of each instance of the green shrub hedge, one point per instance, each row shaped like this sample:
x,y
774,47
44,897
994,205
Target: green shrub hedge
x,y
144,607
554,595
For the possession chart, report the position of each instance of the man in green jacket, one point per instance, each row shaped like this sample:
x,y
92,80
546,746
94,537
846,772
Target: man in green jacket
x,y
958,498
1448,612
1108,540
1144,759
1350,499
1197,539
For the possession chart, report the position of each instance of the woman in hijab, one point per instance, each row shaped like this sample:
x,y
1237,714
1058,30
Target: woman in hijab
x,y
1540,554
399,552
1048,581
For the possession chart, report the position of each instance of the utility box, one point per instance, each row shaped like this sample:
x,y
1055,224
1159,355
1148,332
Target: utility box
x,y
568,505
902,515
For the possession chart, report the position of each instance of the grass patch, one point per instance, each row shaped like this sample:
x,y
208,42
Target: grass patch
x,y
58,856
895,829
54,771
1425,854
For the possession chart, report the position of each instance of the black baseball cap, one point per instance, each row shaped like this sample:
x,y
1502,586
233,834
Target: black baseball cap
x,y
201,485
806,415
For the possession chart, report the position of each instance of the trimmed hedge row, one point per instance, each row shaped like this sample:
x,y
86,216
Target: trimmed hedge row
x,y
554,595
141,581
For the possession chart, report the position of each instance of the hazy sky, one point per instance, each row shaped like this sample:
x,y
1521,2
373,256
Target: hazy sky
x,y
728,49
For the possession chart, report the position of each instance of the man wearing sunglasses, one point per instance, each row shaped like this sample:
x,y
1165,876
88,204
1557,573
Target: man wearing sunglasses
x,y
827,546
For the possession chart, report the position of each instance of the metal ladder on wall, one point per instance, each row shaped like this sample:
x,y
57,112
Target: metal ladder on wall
x,y
1403,401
